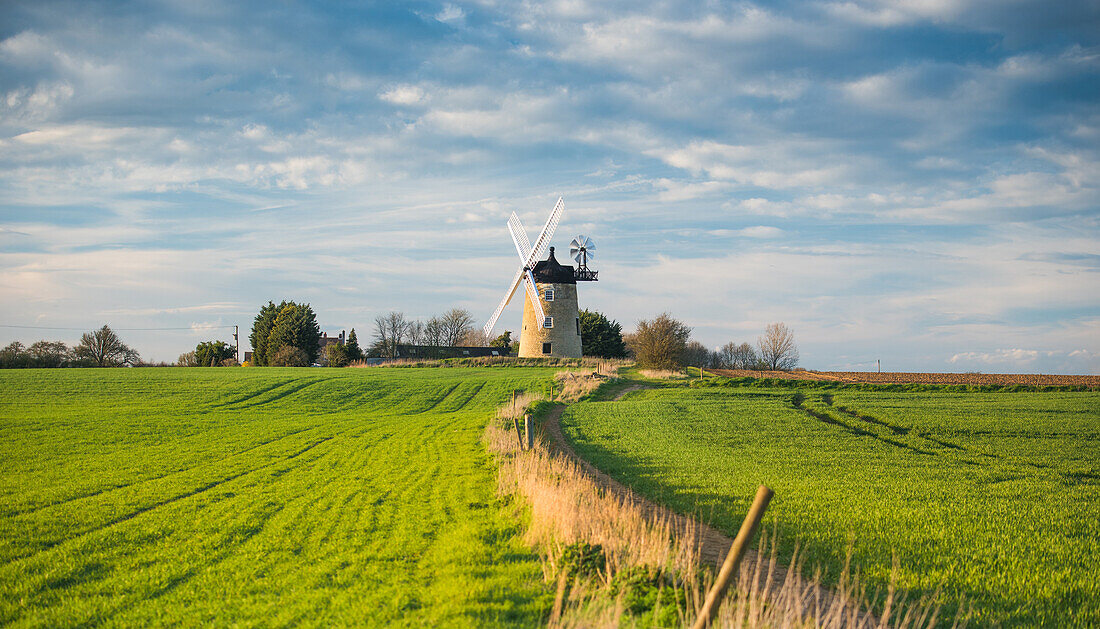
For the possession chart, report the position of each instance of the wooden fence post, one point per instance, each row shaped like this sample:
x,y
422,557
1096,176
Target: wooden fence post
x,y
529,430
519,437
729,568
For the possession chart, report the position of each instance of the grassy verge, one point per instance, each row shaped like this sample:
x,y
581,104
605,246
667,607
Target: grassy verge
x,y
989,497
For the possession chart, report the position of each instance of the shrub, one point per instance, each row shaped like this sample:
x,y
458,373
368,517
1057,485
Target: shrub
x,y
336,355
289,356
660,343
582,559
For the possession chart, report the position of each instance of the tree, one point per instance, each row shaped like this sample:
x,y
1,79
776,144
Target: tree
x,y
696,354
433,332
777,348
212,353
352,349
504,342
14,356
389,332
474,337
433,336
415,332
601,336
261,330
660,343
289,356
288,324
49,354
455,323
103,348
336,355
734,356
187,360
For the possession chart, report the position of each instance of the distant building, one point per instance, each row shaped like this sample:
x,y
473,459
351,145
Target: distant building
x,y
325,341
435,351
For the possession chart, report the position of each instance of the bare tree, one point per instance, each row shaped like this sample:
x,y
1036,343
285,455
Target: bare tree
x,y
475,337
456,322
433,332
660,343
415,332
696,355
105,349
389,331
777,348
734,356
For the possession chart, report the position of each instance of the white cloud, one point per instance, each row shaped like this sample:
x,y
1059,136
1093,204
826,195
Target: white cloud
x,y
26,46
683,191
78,136
760,231
1000,356
451,13
205,327
403,95
777,166
40,103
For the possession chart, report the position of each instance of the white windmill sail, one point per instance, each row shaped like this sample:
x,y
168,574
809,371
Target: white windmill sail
x,y
528,255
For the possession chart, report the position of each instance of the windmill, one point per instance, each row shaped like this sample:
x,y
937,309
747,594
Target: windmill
x,y
551,321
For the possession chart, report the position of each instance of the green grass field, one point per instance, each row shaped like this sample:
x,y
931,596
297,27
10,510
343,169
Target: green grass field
x,y
992,497
259,497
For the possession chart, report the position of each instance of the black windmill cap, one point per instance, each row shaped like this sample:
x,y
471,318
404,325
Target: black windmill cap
x,y
549,271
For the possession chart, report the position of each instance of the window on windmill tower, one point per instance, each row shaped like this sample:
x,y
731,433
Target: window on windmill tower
x,y
549,294
548,323
546,348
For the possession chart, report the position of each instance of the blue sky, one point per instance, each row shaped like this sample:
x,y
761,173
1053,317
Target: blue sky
x,y
915,182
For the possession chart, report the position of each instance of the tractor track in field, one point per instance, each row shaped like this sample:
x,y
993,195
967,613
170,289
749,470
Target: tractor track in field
x,y
713,545
161,503
107,490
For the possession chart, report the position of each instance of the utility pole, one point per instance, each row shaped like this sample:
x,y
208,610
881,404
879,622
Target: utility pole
x,y
236,344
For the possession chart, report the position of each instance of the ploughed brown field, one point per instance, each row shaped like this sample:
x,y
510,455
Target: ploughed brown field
x,y
872,377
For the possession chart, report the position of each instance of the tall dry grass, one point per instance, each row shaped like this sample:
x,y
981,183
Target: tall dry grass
x,y
662,374
569,507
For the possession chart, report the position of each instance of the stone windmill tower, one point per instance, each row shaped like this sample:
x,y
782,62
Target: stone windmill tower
x,y
551,320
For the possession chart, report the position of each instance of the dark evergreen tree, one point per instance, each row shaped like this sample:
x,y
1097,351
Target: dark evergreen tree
x,y
504,341
261,330
287,325
352,348
601,336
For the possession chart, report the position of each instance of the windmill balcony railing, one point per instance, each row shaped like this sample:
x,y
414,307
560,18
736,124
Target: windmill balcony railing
x,y
585,275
